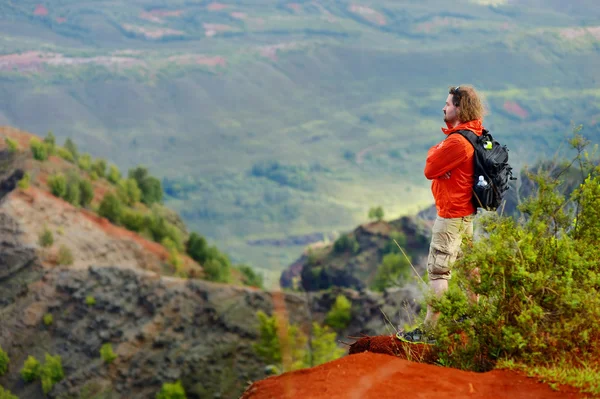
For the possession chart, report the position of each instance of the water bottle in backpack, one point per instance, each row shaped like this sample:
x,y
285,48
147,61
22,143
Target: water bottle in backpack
x,y
481,182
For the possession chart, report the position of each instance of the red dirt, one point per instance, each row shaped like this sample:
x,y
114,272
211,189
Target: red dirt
x,y
365,374
515,109
40,10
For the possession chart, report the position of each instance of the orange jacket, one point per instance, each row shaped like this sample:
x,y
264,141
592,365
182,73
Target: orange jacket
x,y
454,155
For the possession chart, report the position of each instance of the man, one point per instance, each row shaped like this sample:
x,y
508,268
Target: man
x,y
450,166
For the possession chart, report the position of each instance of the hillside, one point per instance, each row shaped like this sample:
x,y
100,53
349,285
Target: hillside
x,y
273,120
121,288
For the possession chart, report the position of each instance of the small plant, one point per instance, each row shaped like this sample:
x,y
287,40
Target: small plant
x,y
31,369
50,142
65,154
6,394
4,360
52,372
376,213
58,185
12,145
90,300
171,391
46,238
65,256
114,175
39,149
107,354
24,182
346,243
48,319
86,191
340,314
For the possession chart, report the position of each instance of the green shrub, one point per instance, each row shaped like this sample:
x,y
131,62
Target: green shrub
x,y
269,345
23,184
250,277
52,372
65,256
324,346
93,176
46,238
99,166
160,228
12,145
346,243
171,391
215,270
133,220
71,149
48,319
111,208
58,185
394,271
376,213
340,314
31,370
129,192
107,354
90,300
6,394
4,361
65,154
50,142
86,191
114,175
391,247
39,149
73,193
85,162
150,186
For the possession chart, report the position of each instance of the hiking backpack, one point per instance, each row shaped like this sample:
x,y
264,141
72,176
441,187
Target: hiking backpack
x,y
491,162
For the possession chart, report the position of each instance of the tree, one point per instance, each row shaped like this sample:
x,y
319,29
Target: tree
x,y
111,208
340,314
73,193
376,213
99,166
85,162
50,142
87,192
39,149
71,148
394,271
129,192
250,277
114,175
197,248
324,346
4,361
287,351
150,186
58,185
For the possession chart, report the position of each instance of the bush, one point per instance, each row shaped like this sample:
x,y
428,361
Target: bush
x,y
99,167
65,154
171,391
58,185
86,192
250,277
65,256
12,145
90,300
150,186
39,149
48,319
71,148
340,314
215,270
133,220
31,370
376,213
129,192
111,208
324,346
107,354
6,394
391,247
4,360
52,372
160,228
46,238
346,243
50,142
394,271
73,193
85,162
23,184
269,346
114,175
538,283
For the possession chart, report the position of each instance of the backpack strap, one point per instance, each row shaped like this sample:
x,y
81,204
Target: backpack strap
x,y
470,136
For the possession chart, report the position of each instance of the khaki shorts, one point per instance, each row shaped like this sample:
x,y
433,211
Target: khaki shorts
x,y
446,240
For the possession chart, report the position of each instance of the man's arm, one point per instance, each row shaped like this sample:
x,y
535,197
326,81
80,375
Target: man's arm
x,y
444,157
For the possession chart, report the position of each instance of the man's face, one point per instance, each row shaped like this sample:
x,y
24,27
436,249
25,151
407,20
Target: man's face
x,y
450,111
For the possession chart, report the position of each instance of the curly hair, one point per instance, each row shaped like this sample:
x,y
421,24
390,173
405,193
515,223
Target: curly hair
x,y
469,102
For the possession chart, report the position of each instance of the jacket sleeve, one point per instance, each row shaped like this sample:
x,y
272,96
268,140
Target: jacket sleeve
x,y
444,157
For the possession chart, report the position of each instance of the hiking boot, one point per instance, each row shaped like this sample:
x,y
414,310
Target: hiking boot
x,y
416,336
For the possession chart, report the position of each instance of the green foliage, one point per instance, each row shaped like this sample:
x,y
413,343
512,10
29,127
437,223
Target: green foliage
x,y
6,394
160,228
58,185
251,278
65,256
73,193
12,145
129,192
46,238
48,319
114,175
65,154
217,271
394,271
324,345
50,142
52,372
90,300
171,391
346,243
86,192
391,247
38,149
376,213
23,184
133,220
99,166
111,207
71,149
293,176
175,259
340,314
85,162
31,370
538,282
107,354
4,361
150,186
